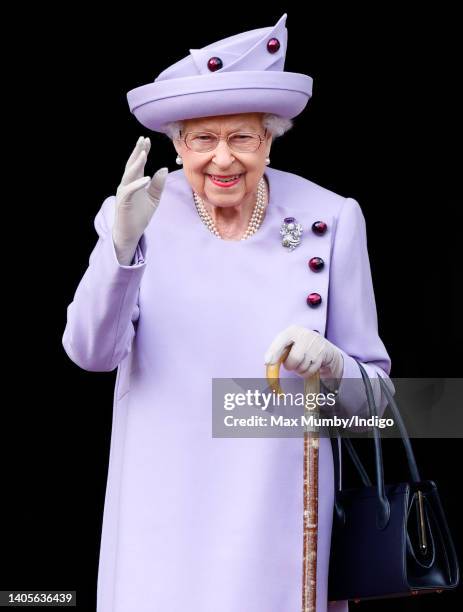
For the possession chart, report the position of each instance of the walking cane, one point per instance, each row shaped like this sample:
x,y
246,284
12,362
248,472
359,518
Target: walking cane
x,y
310,490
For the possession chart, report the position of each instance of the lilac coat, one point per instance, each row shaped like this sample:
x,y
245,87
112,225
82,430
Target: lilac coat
x,y
193,522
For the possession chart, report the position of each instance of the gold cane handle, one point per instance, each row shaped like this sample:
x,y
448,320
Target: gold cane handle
x,y
273,372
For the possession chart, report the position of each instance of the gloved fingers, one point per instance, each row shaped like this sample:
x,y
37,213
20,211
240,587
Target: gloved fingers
x,y
135,170
306,363
277,347
293,334
125,193
333,365
157,183
140,145
313,367
296,356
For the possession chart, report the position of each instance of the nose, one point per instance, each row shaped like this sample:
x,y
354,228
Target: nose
x,y
223,155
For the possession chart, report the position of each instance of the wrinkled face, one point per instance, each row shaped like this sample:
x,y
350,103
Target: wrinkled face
x,y
201,167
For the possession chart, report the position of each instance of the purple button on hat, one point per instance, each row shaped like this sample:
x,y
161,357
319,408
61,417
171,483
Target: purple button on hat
x,y
239,74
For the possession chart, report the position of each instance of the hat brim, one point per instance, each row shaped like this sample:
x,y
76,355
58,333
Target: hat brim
x,y
283,93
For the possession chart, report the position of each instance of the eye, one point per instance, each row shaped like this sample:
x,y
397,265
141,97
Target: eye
x,y
242,137
203,137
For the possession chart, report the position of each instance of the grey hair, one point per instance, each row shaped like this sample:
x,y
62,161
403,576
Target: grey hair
x,y
275,124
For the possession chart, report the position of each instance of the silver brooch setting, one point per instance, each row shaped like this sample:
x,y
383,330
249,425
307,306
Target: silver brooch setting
x,y
291,233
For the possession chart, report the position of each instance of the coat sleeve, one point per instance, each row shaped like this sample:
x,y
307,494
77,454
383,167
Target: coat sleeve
x,y
352,323
101,318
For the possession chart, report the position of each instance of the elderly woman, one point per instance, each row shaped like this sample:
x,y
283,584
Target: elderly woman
x,y
208,272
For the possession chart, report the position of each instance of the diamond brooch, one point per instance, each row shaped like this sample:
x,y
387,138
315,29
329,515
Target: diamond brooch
x,y
291,233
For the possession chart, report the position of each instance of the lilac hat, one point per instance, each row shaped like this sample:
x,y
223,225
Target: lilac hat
x,y
239,74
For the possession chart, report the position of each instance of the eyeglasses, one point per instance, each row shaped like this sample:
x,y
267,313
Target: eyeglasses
x,y
240,142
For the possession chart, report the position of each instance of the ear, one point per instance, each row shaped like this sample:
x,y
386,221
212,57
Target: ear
x,y
176,144
268,143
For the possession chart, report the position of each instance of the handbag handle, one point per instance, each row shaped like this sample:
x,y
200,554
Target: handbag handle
x,y
383,503
414,473
413,468
383,507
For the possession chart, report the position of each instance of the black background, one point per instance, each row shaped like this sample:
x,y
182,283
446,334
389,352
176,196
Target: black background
x,y
381,127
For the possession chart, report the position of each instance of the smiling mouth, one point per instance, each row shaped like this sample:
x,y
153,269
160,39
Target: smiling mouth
x,y
230,178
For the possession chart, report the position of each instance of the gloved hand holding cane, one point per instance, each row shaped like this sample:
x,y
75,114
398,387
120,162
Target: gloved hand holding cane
x,y
310,353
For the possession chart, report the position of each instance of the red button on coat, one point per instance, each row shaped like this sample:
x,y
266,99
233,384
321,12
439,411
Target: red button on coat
x,y
319,228
316,264
314,299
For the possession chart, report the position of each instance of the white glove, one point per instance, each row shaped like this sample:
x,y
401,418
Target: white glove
x,y
310,353
136,201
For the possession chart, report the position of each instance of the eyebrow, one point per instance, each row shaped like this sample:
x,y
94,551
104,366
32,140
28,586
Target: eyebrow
x,y
241,126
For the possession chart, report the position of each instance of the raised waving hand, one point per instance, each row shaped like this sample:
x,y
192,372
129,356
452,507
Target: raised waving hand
x,y
137,199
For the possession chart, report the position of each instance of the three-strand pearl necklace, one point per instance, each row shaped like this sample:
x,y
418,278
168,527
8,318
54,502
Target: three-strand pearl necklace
x,y
254,223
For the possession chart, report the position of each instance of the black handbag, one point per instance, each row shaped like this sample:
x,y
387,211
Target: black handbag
x,y
388,540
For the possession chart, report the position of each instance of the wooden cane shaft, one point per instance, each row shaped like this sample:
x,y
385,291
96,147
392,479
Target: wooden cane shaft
x,y
310,522
310,489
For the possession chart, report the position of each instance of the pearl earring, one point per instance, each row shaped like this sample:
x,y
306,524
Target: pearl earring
x,y
179,160
267,160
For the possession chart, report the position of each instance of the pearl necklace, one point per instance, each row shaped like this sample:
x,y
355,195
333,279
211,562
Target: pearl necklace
x,y
254,223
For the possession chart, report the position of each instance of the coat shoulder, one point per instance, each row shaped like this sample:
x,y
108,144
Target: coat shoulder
x,y
307,192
